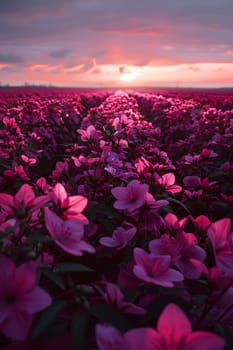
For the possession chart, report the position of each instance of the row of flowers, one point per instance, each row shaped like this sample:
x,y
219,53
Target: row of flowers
x,y
114,205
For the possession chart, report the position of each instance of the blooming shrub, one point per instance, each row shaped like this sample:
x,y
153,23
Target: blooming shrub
x,y
116,220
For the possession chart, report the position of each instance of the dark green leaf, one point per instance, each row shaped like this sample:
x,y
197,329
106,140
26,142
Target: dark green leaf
x,y
108,314
227,333
72,267
158,305
173,200
46,318
167,209
79,329
101,208
53,276
38,238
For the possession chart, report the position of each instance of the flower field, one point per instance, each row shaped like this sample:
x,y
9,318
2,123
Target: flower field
x,y
116,214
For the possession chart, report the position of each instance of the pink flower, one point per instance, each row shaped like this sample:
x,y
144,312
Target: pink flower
x,y
109,338
202,222
151,219
206,153
190,159
113,295
20,298
183,250
221,239
71,207
29,161
141,165
68,234
42,186
131,197
192,182
119,239
193,194
24,199
227,198
90,133
19,170
173,224
61,169
217,279
167,181
155,269
173,332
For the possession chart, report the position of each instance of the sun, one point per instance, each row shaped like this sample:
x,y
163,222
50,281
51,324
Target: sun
x,y
129,76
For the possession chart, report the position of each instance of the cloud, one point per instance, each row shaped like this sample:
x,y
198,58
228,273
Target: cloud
x,y
34,8
229,52
61,53
193,68
96,70
73,69
45,68
10,58
4,66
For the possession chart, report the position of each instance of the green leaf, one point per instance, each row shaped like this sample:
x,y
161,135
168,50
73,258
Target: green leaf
x,y
167,209
46,318
107,313
79,330
102,208
53,276
173,200
157,306
227,333
72,267
38,238
220,204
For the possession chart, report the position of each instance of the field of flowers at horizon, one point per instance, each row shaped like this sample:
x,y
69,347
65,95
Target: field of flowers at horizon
x,y
116,217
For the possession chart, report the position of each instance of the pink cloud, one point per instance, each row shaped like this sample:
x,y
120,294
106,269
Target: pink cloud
x,y
5,65
229,52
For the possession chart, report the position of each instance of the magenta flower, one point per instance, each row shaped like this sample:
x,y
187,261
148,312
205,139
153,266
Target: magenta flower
x,y
42,185
155,269
202,222
90,133
29,161
71,206
109,338
131,197
173,224
183,250
227,198
151,219
68,234
119,239
24,198
113,295
173,332
20,298
167,181
221,239
192,182
192,194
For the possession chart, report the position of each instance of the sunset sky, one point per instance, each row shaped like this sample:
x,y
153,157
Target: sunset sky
x,y
98,43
